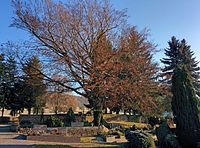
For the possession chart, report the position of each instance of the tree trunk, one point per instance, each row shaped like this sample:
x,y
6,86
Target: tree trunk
x,y
129,111
2,112
111,111
124,112
29,111
106,110
97,116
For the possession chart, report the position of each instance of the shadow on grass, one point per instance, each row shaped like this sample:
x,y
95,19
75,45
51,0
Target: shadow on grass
x,y
114,145
51,146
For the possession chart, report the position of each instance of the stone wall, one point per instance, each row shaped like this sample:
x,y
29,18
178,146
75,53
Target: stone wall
x,y
80,131
38,119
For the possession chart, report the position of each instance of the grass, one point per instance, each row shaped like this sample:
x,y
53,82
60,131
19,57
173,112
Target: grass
x,y
86,139
81,145
51,146
106,116
130,124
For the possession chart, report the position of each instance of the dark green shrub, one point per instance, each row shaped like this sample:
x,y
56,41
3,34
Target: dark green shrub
x,y
139,139
105,123
153,120
86,123
198,145
171,141
26,124
70,115
4,120
53,121
89,113
134,118
116,132
165,137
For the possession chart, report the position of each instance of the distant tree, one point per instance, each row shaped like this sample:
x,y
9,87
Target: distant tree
x,y
2,83
12,87
34,85
14,98
185,107
11,70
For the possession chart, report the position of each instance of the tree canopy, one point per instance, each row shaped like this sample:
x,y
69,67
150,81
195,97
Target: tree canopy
x,y
90,43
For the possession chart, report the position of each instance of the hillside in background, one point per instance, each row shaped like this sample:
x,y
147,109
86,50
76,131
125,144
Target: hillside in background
x,y
62,102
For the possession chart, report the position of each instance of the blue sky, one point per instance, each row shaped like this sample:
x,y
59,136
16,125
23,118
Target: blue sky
x,y
164,18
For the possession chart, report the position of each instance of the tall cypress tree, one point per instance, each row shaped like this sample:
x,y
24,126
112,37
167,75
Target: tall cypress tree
x,y
185,108
182,72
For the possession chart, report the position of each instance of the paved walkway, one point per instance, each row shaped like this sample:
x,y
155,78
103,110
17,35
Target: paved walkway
x,y
9,139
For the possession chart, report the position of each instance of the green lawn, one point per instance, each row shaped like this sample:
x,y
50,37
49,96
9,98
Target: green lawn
x,y
88,145
52,146
130,124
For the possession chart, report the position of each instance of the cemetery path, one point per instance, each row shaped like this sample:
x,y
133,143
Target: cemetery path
x,y
8,140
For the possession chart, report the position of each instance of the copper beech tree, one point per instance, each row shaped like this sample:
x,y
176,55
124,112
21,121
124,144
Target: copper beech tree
x,y
84,41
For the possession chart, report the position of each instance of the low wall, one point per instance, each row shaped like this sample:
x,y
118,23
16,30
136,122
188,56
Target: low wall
x,y
127,118
4,120
64,131
80,131
38,119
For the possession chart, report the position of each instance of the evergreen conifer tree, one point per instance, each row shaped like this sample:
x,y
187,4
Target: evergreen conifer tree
x,y
179,53
185,108
34,85
2,83
182,72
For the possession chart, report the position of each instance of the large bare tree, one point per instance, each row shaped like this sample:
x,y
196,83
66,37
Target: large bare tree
x,y
81,41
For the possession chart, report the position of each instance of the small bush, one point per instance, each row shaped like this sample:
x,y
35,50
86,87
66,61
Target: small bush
x,y
171,141
198,145
89,113
26,124
139,139
153,120
54,122
86,123
165,137
105,123
70,115
134,118
116,132
4,120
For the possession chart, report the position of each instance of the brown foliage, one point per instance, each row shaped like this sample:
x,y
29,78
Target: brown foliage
x,y
82,41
